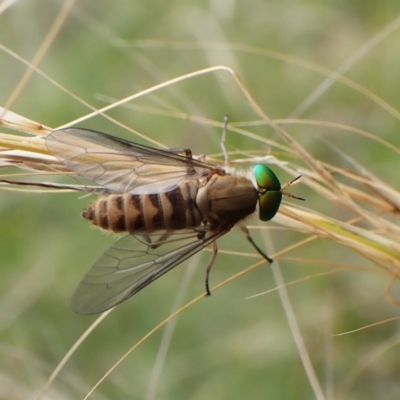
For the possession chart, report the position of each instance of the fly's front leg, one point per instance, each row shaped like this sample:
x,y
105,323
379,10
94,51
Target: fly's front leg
x,y
210,264
223,137
250,239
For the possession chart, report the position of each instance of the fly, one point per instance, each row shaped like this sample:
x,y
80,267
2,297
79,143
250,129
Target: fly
x,y
170,204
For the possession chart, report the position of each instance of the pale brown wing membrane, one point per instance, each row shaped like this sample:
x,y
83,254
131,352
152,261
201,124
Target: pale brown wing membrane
x,y
131,264
122,166
62,186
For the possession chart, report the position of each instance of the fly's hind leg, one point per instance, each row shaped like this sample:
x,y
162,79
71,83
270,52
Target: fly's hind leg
x,y
250,239
209,265
187,152
160,240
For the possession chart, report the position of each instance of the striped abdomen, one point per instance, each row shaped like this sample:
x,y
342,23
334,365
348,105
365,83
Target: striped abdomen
x,y
131,213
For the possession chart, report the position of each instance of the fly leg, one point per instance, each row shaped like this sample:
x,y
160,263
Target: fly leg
x,y
154,244
223,137
250,239
186,152
209,265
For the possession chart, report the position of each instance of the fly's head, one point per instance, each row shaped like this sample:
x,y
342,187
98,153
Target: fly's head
x,y
270,191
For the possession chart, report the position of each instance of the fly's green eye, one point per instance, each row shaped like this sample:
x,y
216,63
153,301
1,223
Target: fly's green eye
x,y
269,203
265,178
270,200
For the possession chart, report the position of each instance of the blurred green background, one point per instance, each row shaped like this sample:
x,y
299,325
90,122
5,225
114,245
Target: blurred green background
x,y
224,347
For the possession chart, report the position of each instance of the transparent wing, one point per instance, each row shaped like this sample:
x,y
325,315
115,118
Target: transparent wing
x,y
122,166
132,263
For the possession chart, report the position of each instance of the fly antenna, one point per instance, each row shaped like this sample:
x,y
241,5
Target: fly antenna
x,y
287,185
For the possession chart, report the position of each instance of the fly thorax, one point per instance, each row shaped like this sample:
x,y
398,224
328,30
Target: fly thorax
x,y
227,199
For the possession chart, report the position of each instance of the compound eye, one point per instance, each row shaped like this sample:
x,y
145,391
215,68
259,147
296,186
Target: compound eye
x,y
270,200
268,204
265,178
